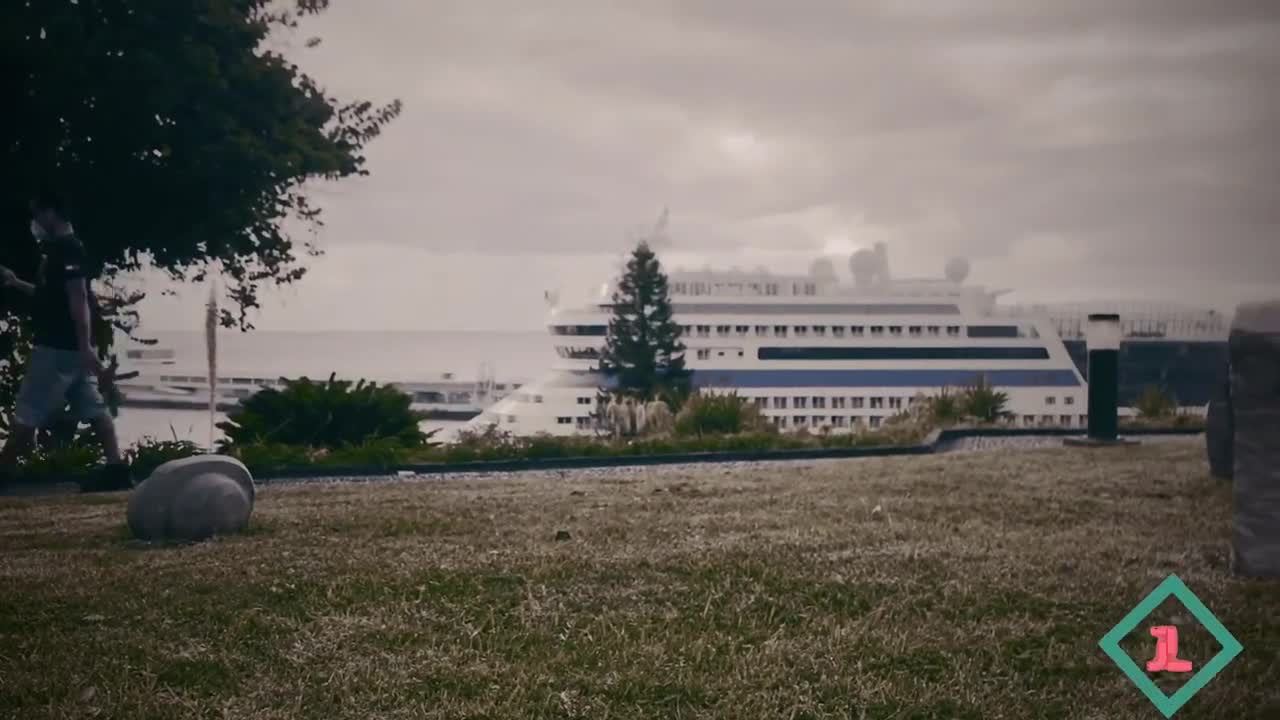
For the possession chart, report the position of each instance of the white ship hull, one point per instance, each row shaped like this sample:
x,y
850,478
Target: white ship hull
x,y
817,354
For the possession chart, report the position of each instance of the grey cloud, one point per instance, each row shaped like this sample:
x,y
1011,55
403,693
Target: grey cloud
x,y
1140,131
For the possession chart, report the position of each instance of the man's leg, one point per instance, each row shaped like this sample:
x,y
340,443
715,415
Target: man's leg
x,y
19,441
104,427
87,406
42,387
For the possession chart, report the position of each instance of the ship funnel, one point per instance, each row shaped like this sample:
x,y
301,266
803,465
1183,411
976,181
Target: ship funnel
x,y
882,262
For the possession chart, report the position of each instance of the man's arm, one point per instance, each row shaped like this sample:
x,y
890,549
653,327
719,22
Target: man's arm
x,y
78,300
9,280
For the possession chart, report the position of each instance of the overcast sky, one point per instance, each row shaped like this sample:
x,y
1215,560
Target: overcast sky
x,y
1073,149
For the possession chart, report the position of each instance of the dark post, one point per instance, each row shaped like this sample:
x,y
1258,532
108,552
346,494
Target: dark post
x,y
1103,339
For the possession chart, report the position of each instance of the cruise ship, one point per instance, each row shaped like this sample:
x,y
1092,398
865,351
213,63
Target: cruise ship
x,y
813,352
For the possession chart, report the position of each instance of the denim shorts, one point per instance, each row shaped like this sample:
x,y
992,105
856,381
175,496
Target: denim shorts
x,y
53,380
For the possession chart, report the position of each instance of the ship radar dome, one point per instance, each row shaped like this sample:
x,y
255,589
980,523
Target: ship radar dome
x,y
822,270
958,270
865,266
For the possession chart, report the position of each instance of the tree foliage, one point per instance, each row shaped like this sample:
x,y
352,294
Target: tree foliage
x,y
180,138
643,351
332,414
182,141
984,403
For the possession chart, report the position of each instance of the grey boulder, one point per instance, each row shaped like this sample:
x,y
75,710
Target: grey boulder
x,y
192,499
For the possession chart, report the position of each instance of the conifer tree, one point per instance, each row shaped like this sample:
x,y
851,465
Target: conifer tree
x,y
642,351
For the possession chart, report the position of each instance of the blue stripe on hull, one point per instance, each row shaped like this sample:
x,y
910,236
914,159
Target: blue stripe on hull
x,y
881,378
852,378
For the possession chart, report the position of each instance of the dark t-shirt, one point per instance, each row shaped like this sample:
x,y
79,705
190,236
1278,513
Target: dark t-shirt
x,y
64,260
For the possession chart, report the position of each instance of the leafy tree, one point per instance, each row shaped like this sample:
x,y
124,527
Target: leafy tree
x,y
332,414
643,349
182,140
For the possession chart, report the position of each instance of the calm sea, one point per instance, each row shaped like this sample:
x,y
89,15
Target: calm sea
x,y
380,356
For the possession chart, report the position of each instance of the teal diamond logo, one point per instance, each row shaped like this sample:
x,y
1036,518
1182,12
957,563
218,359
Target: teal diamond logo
x,y
1170,704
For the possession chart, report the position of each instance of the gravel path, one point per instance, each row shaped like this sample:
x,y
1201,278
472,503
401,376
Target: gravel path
x,y
977,444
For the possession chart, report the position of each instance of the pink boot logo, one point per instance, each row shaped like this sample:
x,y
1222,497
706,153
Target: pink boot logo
x,y
1166,658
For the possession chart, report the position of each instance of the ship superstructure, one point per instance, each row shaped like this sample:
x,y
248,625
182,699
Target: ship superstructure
x,y
812,352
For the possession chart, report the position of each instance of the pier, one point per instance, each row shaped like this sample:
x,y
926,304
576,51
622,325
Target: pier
x,y
444,398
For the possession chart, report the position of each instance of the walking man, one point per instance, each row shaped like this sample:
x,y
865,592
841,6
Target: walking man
x,y
64,366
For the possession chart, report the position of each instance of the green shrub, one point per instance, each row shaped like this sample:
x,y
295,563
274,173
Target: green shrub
x,y
946,408
148,454
1155,403
52,464
332,414
984,403
380,453
275,455
717,414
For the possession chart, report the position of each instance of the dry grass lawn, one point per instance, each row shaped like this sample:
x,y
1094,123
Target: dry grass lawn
x,y
978,589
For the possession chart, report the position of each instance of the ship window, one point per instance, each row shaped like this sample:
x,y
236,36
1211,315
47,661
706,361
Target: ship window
x,y
838,420
993,331
1028,420
780,421
1046,419
1068,400
895,330
1084,420
874,421
704,330
703,354
837,331
914,330
537,398
877,330
895,403
819,330
953,330
877,403
857,403
1050,400
801,331
800,419
779,403
837,403
771,289
762,330
1065,420
739,353
584,401
722,330
780,330
856,330
742,329
562,420
935,330
762,402
799,402
819,402
511,419
819,419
